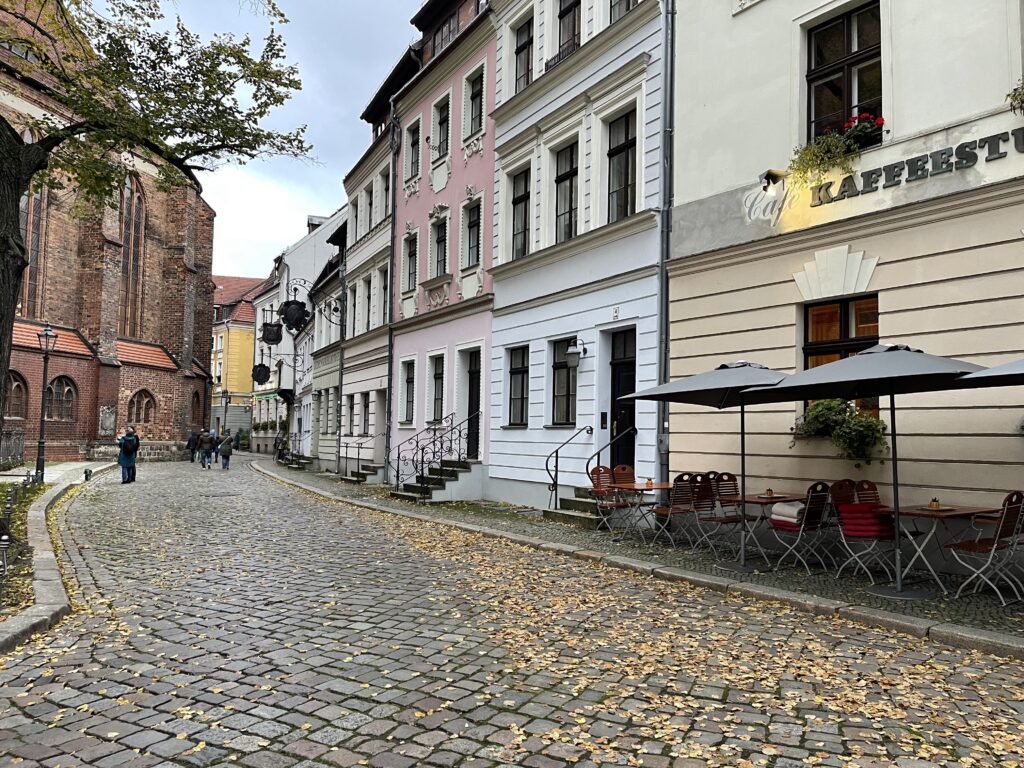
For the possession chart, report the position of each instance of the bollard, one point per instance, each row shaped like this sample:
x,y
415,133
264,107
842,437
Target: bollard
x,y
88,475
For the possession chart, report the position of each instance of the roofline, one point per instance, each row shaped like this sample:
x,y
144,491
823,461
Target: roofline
x,y
444,54
384,92
55,326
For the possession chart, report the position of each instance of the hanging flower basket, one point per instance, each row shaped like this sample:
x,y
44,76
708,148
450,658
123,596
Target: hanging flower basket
x,y
1016,98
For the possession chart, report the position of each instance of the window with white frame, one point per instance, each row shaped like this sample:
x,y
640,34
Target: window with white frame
x,y
445,33
622,167
471,215
385,192
518,386
352,309
441,135
570,14
439,247
350,409
473,103
371,209
520,184
563,384
523,60
566,192
384,294
368,306
411,260
409,391
353,217
365,407
437,387
620,8
412,151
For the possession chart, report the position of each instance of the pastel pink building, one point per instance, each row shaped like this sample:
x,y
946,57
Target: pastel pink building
x,y
443,250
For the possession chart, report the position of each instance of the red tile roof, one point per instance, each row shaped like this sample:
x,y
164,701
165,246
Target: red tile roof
x,y
143,353
230,290
26,335
243,312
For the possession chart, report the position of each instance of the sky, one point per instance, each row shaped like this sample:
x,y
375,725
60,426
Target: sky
x,y
344,49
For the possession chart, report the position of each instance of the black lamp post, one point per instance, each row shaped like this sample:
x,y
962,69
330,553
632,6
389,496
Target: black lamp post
x,y
225,401
47,341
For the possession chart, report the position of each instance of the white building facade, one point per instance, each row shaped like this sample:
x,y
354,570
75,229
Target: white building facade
x,y
918,245
577,241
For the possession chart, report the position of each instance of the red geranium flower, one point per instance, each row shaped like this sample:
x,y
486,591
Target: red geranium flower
x,y
847,125
828,130
880,122
865,115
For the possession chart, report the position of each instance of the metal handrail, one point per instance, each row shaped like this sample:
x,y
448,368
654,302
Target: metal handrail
x,y
453,442
359,448
609,444
553,485
408,447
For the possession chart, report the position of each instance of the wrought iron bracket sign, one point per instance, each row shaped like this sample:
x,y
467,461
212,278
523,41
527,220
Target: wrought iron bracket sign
x,y
271,333
965,155
295,314
261,373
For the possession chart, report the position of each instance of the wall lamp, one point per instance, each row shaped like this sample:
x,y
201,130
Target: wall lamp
x,y
772,182
576,350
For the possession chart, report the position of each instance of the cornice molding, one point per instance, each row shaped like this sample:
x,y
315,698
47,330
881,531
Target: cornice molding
x,y
446,314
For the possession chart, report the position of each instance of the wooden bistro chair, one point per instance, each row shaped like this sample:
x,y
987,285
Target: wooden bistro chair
x,y
624,474
679,515
726,485
802,529
991,559
712,521
867,492
607,500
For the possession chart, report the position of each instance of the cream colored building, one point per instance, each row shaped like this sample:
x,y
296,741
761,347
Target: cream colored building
x,y
928,229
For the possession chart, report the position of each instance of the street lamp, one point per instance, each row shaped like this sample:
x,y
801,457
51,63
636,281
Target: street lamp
x,y
225,401
47,341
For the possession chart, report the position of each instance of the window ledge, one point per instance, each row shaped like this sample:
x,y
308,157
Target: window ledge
x,y
560,426
405,425
467,140
471,268
435,282
515,426
437,162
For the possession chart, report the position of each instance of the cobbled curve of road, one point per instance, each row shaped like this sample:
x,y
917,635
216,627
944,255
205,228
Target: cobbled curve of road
x,y
224,619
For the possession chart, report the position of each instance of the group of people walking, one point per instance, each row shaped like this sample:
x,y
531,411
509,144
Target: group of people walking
x,y
210,447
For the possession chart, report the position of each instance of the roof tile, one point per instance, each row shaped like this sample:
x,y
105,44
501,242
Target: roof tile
x,y
26,335
143,353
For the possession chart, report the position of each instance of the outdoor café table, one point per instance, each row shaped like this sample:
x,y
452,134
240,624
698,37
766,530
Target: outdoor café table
x,y
933,516
641,510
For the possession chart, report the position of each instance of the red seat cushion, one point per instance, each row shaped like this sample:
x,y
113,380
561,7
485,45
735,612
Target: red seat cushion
x,y
784,525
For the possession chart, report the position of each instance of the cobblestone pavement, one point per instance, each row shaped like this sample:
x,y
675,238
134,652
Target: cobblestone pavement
x,y
224,619
981,610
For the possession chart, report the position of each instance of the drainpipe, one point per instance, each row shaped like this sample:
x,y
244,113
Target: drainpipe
x,y
667,140
395,274
343,282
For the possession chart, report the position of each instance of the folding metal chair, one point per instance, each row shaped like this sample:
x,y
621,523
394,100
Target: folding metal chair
x,y
805,536
864,534
712,520
607,500
991,559
679,515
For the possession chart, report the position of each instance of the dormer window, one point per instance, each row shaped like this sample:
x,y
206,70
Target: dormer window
x,y
445,33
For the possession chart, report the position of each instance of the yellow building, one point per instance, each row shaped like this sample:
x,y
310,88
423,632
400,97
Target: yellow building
x,y
234,339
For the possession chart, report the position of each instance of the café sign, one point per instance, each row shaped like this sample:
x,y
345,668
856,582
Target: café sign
x,y
919,168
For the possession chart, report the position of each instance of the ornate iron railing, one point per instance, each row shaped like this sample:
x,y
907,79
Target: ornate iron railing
x,y
12,448
565,50
609,444
403,462
551,465
450,442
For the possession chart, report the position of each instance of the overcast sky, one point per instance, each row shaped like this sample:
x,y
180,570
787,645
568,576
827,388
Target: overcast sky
x,y
344,49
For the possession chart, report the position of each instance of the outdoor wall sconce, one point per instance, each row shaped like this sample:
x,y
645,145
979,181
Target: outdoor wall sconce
x,y
772,182
576,350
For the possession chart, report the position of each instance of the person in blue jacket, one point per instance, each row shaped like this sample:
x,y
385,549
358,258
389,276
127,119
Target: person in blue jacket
x,y
128,450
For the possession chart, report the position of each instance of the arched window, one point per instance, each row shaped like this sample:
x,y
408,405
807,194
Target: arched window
x,y
133,237
197,409
61,400
141,408
15,396
32,220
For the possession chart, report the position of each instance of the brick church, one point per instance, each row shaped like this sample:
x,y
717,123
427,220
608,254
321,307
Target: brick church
x,y
129,294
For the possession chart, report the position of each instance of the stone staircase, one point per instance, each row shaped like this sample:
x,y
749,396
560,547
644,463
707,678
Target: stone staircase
x,y
367,473
579,510
442,483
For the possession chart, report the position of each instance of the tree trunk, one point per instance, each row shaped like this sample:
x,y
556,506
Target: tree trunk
x,y
13,184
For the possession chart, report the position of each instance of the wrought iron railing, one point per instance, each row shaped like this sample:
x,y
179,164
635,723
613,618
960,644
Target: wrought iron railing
x,y
423,452
551,465
403,459
358,447
565,50
597,454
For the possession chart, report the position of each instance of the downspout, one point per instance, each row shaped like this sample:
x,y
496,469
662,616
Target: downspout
x,y
395,274
343,282
667,142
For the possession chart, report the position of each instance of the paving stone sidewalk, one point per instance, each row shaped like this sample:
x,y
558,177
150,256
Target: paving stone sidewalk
x,y
225,619
981,610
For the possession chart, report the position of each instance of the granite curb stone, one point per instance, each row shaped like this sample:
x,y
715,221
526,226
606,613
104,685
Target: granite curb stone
x,y
955,635
51,599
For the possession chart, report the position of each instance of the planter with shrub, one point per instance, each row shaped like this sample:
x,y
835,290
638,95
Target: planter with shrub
x,y
859,437
835,150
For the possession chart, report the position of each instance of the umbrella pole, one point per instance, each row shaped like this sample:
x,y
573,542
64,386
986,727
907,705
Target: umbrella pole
x,y
896,493
743,485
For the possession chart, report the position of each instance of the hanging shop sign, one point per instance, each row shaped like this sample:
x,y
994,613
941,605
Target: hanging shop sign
x,y
261,373
965,155
294,314
271,333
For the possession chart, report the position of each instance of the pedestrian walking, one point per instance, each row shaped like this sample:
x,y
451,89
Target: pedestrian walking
x,y
216,445
128,449
226,448
192,446
205,449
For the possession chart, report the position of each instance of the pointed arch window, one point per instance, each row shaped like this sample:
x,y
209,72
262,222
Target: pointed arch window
x,y
142,408
197,412
133,238
15,396
32,221
61,400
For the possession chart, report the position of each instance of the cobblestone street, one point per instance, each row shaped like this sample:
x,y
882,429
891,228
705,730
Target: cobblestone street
x,y
225,619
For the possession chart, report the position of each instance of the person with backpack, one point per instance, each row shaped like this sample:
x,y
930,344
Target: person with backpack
x,y
128,449
192,446
226,445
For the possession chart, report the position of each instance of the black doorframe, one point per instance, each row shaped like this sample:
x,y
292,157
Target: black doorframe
x,y
473,405
623,382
